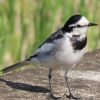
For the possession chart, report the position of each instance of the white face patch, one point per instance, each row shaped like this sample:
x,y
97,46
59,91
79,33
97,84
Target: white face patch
x,y
72,25
80,30
83,21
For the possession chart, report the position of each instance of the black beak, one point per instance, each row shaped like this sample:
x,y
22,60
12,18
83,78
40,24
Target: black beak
x,y
92,24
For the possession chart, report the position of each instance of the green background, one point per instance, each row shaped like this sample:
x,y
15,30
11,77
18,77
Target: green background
x,y
25,24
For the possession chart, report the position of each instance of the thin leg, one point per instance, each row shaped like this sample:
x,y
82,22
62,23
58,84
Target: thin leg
x,y
50,77
70,94
51,92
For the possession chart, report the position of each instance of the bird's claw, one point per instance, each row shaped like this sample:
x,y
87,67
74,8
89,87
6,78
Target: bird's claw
x,y
70,96
51,96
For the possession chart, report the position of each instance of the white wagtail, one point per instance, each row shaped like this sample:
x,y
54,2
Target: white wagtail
x,y
64,49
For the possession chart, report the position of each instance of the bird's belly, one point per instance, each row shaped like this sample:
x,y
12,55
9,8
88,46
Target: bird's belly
x,y
48,60
63,60
69,59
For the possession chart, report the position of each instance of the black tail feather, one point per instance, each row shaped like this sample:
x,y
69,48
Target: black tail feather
x,y
15,66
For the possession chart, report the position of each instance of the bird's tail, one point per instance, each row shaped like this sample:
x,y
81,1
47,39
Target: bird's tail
x,y
15,66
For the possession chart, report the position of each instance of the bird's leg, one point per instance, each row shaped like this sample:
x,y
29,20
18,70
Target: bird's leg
x,y
50,76
70,94
51,92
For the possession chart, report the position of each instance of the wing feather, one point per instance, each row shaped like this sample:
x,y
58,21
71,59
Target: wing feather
x,y
49,44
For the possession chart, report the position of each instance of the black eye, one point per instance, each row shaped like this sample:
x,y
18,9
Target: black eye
x,y
79,26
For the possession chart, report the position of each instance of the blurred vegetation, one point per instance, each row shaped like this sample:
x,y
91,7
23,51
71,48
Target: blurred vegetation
x,y
25,24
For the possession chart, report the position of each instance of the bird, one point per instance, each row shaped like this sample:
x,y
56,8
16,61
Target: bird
x,y
63,49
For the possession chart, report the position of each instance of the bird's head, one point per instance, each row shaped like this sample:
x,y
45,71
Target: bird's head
x,y
77,24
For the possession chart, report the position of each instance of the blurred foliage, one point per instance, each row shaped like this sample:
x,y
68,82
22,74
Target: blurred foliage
x,y
25,24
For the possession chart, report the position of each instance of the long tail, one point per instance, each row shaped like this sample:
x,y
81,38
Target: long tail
x,y
15,66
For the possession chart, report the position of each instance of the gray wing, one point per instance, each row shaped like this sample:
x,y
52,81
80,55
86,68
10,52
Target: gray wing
x,y
49,44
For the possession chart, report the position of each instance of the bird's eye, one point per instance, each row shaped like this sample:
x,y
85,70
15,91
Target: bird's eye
x,y
78,25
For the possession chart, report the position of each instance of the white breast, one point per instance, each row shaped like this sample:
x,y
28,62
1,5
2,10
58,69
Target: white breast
x,y
67,56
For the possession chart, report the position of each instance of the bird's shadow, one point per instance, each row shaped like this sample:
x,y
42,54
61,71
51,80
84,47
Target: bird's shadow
x,y
26,87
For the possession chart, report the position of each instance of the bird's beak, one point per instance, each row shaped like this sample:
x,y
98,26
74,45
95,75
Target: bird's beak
x,y
92,24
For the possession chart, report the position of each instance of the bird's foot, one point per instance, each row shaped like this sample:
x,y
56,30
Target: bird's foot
x,y
70,96
52,97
